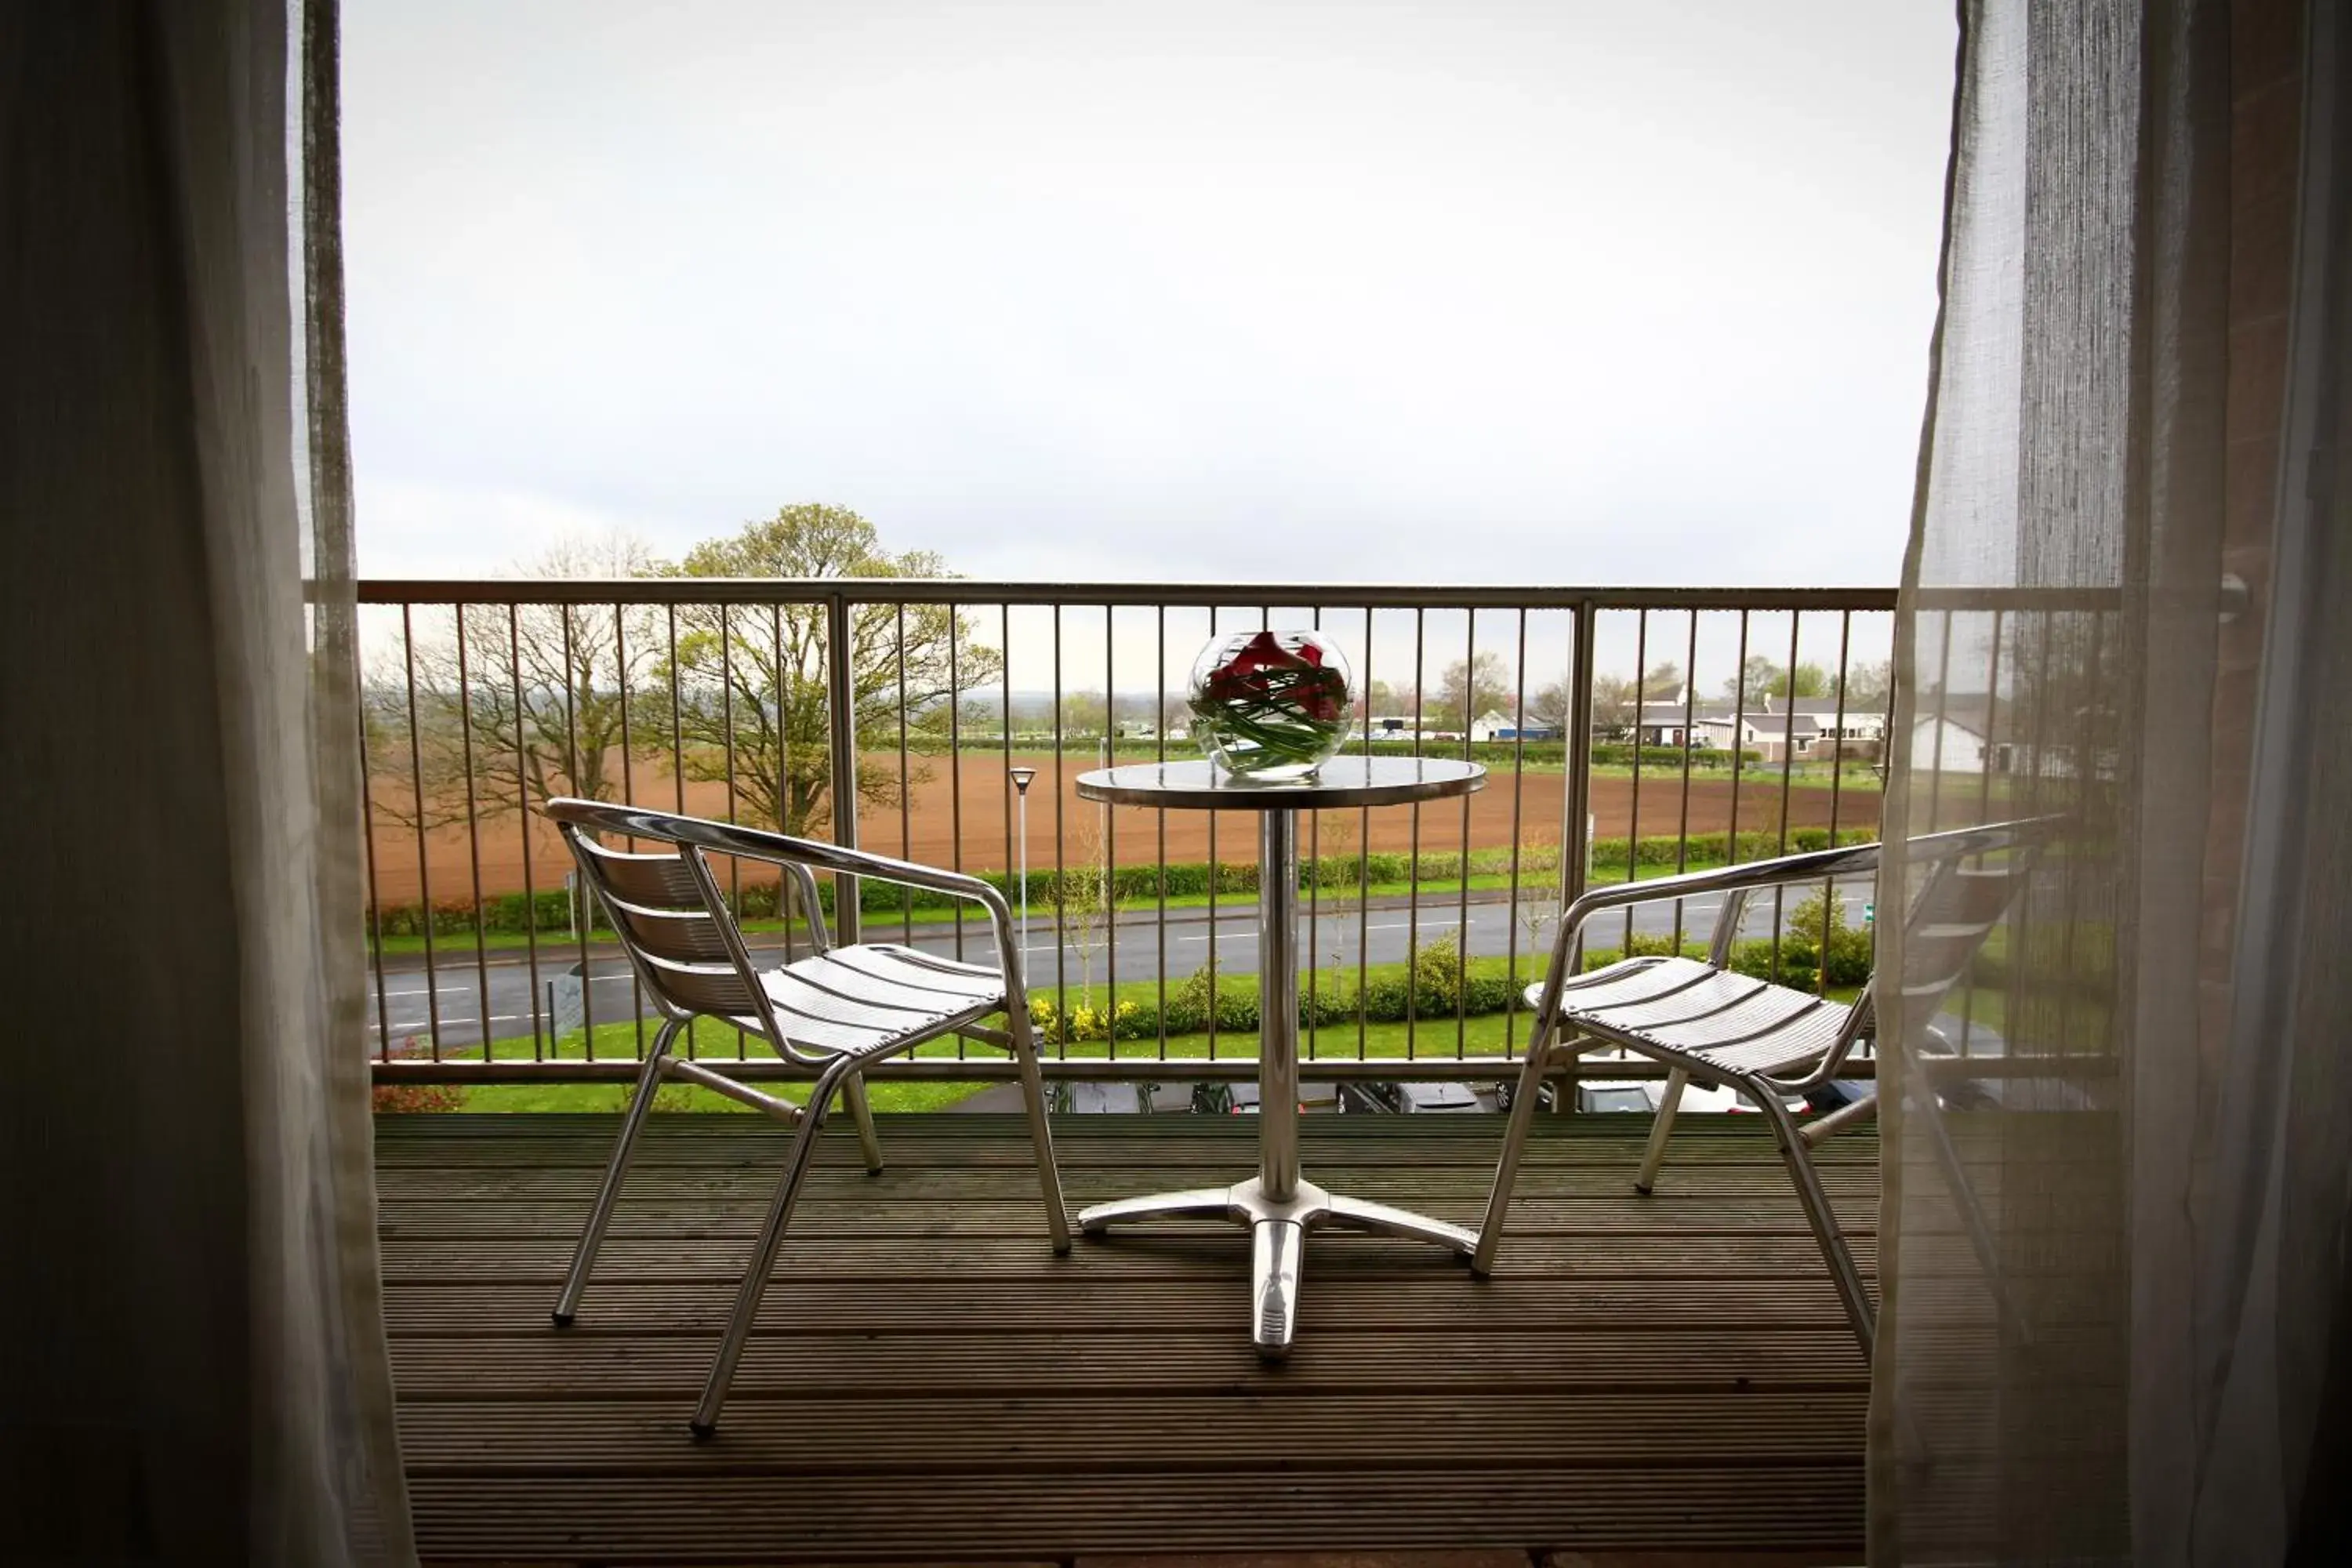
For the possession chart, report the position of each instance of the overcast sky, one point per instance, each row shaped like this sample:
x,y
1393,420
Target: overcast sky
x,y
1566,294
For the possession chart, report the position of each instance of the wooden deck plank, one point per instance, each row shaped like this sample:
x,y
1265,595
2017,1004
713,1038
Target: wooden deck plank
x,y
1663,1373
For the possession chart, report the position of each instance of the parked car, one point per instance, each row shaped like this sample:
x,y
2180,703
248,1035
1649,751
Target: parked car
x,y
1382,1096
1644,1094
1113,1099
1604,1096
1225,1098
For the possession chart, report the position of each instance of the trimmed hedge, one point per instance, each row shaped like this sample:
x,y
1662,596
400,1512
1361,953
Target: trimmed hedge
x,y
1438,986
546,912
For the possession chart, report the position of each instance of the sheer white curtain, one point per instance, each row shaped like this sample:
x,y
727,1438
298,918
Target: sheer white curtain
x,y
2110,1324
192,1346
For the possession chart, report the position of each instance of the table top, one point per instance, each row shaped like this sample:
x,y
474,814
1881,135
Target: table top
x,y
1342,782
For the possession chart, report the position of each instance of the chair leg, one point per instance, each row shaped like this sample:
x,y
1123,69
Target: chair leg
x,y
1041,1132
1506,1169
1654,1155
853,1094
1818,1213
583,1256
764,1251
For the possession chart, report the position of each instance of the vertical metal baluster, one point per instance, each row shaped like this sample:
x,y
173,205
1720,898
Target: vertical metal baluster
x,y
1690,735
1314,896
1731,855
905,784
1577,864
1633,814
628,793
1461,910
1159,728
1992,720
1837,776
955,777
473,828
1788,779
2084,765
374,894
540,1045
1518,803
424,877
1364,868
1984,811
1257,847
1061,864
841,633
1014,865
2034,803
677,769
1213,896
1412,863
1110,844
783,771
727,728
582,905
1936,774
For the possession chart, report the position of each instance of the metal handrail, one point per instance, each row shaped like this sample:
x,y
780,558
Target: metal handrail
x,y
782,849
839,601
607,591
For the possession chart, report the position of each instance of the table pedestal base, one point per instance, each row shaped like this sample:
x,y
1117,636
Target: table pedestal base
x,y
1277,1242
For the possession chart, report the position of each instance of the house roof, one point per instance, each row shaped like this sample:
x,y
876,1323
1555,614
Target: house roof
x,y
1765,724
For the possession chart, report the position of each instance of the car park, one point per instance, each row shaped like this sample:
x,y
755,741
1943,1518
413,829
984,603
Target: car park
x,y
1382,1096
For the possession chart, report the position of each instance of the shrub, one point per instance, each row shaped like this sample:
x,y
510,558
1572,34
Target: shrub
x,y
416,1098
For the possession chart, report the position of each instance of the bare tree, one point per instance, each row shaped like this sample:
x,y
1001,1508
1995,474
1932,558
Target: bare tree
x,y
1080,894
1616,704
516,705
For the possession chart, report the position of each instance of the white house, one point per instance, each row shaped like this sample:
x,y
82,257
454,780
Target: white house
x,y
1972,735
1945,744
1811,727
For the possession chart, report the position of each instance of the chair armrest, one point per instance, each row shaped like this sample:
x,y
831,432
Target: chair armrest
x,y
798,854
1737,881
1810,866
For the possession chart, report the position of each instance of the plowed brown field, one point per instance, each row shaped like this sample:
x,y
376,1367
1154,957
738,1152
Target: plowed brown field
x,y
928,831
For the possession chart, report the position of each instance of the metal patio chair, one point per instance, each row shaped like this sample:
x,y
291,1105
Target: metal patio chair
x,y
835,1012
1709,1025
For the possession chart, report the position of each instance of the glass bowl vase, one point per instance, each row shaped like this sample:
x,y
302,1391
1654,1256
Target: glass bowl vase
x,y
1271,705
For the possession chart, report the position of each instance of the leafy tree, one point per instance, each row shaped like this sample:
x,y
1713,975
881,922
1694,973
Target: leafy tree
x,y
1383,698
1868,684
1471,688
518,706
1761,678
753,679
1084,713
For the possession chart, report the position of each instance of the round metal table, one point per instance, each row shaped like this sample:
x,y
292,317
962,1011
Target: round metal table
x,y
1279,1205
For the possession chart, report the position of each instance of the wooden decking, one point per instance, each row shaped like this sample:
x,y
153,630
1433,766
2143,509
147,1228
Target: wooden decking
x,y
927,1382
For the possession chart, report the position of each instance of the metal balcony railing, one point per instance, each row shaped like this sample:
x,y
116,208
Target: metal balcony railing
x,y
890,712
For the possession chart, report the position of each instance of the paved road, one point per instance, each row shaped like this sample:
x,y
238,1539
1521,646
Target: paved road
x,y
412,998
